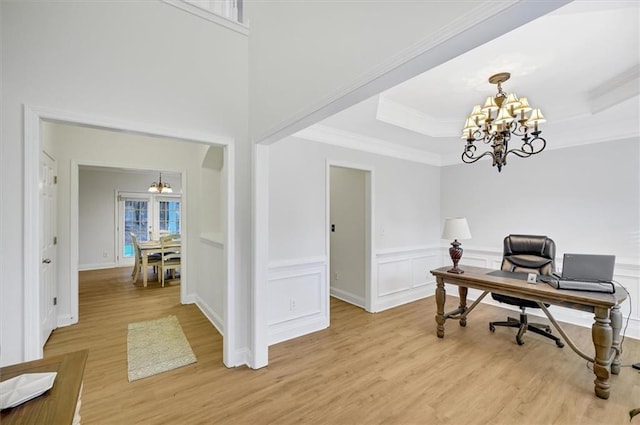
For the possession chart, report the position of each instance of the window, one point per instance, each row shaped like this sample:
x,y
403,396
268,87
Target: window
x,y
147,216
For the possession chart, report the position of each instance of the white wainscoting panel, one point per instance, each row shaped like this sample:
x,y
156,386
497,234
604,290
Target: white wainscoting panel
x,y
403,275
211,290
298,299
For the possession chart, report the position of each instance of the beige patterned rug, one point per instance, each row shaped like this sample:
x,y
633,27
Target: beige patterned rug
x,y
156,346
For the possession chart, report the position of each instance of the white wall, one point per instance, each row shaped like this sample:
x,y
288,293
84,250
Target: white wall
x,y
406,239
98,209
587,199
146,63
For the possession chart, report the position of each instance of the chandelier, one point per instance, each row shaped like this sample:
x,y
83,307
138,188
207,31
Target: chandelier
x,y
160,187
502,117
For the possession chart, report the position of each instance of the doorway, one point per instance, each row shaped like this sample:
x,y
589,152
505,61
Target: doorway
x,y
350,234
34,142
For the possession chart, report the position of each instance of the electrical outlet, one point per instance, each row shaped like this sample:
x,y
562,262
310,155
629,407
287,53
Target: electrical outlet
x,y
105,254
292,304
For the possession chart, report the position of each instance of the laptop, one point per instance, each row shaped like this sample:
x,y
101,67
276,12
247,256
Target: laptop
x,y
584,272
588,267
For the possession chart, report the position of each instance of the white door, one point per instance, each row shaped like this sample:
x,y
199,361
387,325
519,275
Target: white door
x,y
48,246
148,217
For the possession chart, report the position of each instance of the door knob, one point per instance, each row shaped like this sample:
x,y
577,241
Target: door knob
x,y
46,261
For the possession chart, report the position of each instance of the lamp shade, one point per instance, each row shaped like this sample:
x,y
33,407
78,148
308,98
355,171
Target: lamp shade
x,y
456,228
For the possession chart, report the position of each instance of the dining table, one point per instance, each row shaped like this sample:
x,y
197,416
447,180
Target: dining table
x,y
153,247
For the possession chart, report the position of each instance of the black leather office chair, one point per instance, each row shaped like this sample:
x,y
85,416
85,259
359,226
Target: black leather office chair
x,y
526,254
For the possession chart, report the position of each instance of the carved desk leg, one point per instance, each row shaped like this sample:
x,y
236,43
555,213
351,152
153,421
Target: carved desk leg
x,y
602,335
441,295
462,292
616,323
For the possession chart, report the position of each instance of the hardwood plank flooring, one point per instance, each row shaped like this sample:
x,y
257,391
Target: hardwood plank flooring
x,y
384,368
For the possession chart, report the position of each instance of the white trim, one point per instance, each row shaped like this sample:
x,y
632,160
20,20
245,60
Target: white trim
x,y
411,251
409,118
32,345
213,239
371,282
347,297
260,249
346,139
482,22
210,16
231,356
278,266
32,141
297,323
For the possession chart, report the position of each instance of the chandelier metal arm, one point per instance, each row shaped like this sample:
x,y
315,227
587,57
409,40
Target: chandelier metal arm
x,y
523,152
470,159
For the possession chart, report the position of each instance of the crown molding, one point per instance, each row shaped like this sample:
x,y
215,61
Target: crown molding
x,y
403,116
618,89
346,139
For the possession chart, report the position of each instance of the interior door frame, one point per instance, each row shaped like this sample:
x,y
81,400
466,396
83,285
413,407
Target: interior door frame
x,y
371,280
32,118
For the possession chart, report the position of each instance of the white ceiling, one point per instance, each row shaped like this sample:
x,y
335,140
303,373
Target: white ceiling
x,y
580,65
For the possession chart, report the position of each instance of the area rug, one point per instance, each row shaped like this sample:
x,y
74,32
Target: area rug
x,y
156,346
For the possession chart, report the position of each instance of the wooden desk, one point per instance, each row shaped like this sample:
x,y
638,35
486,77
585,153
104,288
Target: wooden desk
x,y
152,247
605,307
59,405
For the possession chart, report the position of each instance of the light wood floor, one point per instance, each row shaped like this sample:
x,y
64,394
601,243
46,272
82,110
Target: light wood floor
x,y
384,368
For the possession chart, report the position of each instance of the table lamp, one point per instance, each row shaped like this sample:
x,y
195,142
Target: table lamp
x,y
456,228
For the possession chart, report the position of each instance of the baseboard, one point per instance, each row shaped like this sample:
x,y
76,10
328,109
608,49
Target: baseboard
x,y
404,297
295,328
347,297
97,266
210,314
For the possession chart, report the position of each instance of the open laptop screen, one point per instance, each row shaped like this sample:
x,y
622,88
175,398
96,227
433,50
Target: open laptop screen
x,y
588,267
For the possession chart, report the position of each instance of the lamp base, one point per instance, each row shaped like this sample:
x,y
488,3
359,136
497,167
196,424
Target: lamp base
x,y
456,254
455,270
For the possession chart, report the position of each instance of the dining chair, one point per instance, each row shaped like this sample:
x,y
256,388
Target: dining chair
x,y
171,256
154,260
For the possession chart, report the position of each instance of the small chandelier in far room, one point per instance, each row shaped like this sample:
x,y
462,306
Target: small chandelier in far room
x,y
502,117
160,187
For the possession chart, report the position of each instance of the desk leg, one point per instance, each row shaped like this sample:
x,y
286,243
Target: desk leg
x,y
616,323
462,292
441,296
145,261
602,334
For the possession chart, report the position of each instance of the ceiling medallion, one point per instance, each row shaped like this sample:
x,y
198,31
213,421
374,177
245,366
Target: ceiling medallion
x,y
502,117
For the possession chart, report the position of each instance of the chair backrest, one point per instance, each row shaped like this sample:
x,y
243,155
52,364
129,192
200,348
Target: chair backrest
x,y
529,254
169,250
134,241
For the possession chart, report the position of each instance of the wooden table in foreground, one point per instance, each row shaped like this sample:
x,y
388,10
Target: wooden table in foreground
x,y
61,404
605,307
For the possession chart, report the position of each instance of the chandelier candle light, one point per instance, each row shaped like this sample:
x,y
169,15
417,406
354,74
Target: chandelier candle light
x,y
456,228
501,117
160,187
